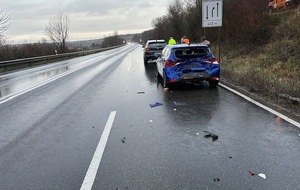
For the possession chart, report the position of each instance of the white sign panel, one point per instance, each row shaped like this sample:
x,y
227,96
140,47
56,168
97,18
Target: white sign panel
x,y
212,11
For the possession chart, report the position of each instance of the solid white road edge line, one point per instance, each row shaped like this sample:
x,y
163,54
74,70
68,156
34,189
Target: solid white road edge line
x,y
94,165
262,106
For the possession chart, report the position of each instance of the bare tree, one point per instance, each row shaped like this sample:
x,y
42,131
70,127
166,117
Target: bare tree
x,y
58,29
4,24
176,13
163,29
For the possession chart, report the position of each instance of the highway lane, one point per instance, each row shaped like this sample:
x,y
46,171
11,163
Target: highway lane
x,y
49,134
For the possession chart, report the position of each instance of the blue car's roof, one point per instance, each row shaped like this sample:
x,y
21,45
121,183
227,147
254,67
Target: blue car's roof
x,y
187,45
181,55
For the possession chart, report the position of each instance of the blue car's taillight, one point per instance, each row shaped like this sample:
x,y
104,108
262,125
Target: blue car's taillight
x,y
169,63
214,78
213,61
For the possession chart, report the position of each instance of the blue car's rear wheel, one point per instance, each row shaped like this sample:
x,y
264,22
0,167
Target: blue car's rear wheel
x,y
166,84
213,84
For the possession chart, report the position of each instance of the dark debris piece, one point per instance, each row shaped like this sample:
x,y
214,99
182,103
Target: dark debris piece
x,y
123,139
212,135
217,179
140,92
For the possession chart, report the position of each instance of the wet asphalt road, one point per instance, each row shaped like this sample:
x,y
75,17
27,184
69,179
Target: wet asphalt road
x,y
49,134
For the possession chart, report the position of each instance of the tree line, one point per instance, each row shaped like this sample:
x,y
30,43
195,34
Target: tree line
x,y
112,40
243,22
57,31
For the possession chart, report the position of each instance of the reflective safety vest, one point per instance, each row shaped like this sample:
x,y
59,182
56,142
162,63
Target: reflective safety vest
x,y
172,42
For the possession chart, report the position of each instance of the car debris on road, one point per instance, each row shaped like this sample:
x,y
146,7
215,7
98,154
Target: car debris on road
x,y
217,179
212,135
156,104
259,174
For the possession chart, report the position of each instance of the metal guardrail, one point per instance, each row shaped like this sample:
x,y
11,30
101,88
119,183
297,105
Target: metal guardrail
x,y
29,62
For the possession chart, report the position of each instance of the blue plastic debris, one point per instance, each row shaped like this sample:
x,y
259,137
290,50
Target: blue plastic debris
x,y
175,103
156,104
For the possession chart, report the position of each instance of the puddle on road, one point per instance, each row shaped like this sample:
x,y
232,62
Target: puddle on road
x,y
21,83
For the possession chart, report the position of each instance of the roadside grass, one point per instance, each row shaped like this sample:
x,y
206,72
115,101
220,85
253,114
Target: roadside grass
x,y
267,76
271,70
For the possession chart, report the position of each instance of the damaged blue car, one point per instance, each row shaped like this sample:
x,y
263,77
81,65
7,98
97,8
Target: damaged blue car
x,y
185,63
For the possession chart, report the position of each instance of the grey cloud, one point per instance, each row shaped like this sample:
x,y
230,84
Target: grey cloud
x,y
87,16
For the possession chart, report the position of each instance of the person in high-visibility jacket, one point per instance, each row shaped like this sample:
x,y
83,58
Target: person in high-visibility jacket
x,y
186,40
172,41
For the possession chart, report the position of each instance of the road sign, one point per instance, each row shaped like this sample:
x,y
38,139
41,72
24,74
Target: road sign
x,y
212,12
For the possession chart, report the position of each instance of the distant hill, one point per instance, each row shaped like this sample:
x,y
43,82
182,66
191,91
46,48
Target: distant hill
x,y
90,44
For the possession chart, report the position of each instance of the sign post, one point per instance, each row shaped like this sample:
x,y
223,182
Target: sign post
x,y
212,16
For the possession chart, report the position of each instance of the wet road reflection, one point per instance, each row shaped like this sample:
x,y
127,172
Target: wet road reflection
x,y
189,107
15,85
151,72
21,81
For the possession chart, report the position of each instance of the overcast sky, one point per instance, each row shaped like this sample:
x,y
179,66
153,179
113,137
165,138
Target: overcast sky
x,y
90,19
